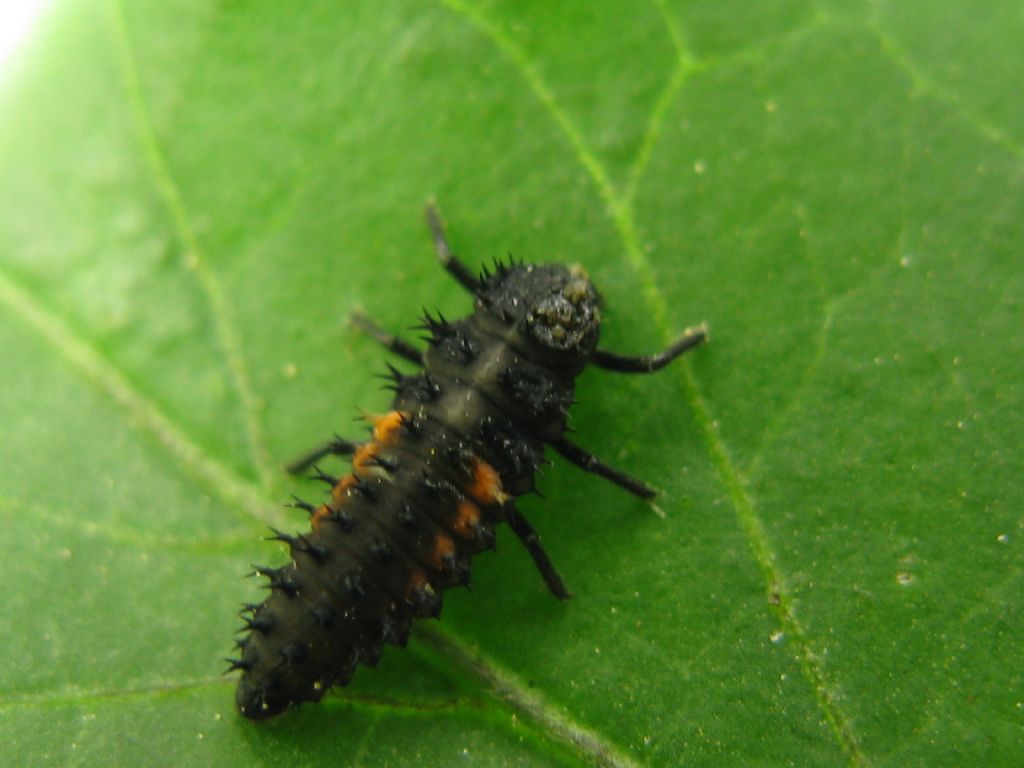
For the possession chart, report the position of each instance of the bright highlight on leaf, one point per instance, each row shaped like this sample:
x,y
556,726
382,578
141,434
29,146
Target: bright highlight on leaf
x,y
16,21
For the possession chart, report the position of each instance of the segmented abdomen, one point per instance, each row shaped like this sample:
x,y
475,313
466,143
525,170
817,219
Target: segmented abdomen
x,y
423,497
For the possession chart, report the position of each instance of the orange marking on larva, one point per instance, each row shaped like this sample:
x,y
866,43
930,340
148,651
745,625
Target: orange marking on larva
x,y
467,519
339,492
444,547
363,454
485,486
319,514
386,426
417,579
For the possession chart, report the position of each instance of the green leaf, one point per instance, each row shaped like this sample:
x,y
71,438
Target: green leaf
x,y
196,194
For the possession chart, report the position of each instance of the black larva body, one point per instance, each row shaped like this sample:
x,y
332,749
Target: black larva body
x,y
463,439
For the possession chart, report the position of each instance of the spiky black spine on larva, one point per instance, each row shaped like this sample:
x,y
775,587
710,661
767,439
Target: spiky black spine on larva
x,y
463,438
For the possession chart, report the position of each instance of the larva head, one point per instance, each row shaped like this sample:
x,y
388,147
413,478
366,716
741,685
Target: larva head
x,y
555,305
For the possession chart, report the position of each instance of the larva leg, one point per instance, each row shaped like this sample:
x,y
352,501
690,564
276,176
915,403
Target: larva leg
x,y
393,343
455,267
648,363
522,528
333,447
589,463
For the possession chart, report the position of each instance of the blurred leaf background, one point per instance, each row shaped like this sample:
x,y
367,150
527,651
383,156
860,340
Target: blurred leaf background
x,y
195,194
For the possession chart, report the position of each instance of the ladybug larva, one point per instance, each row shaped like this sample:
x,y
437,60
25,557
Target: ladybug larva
x,y
464,437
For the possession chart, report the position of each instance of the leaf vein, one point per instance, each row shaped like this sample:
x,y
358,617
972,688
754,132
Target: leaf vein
x,y
757,53
66,519
511,690
142,411
685,66
72,695
922,84
821,337
735,483
195,260
584,155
